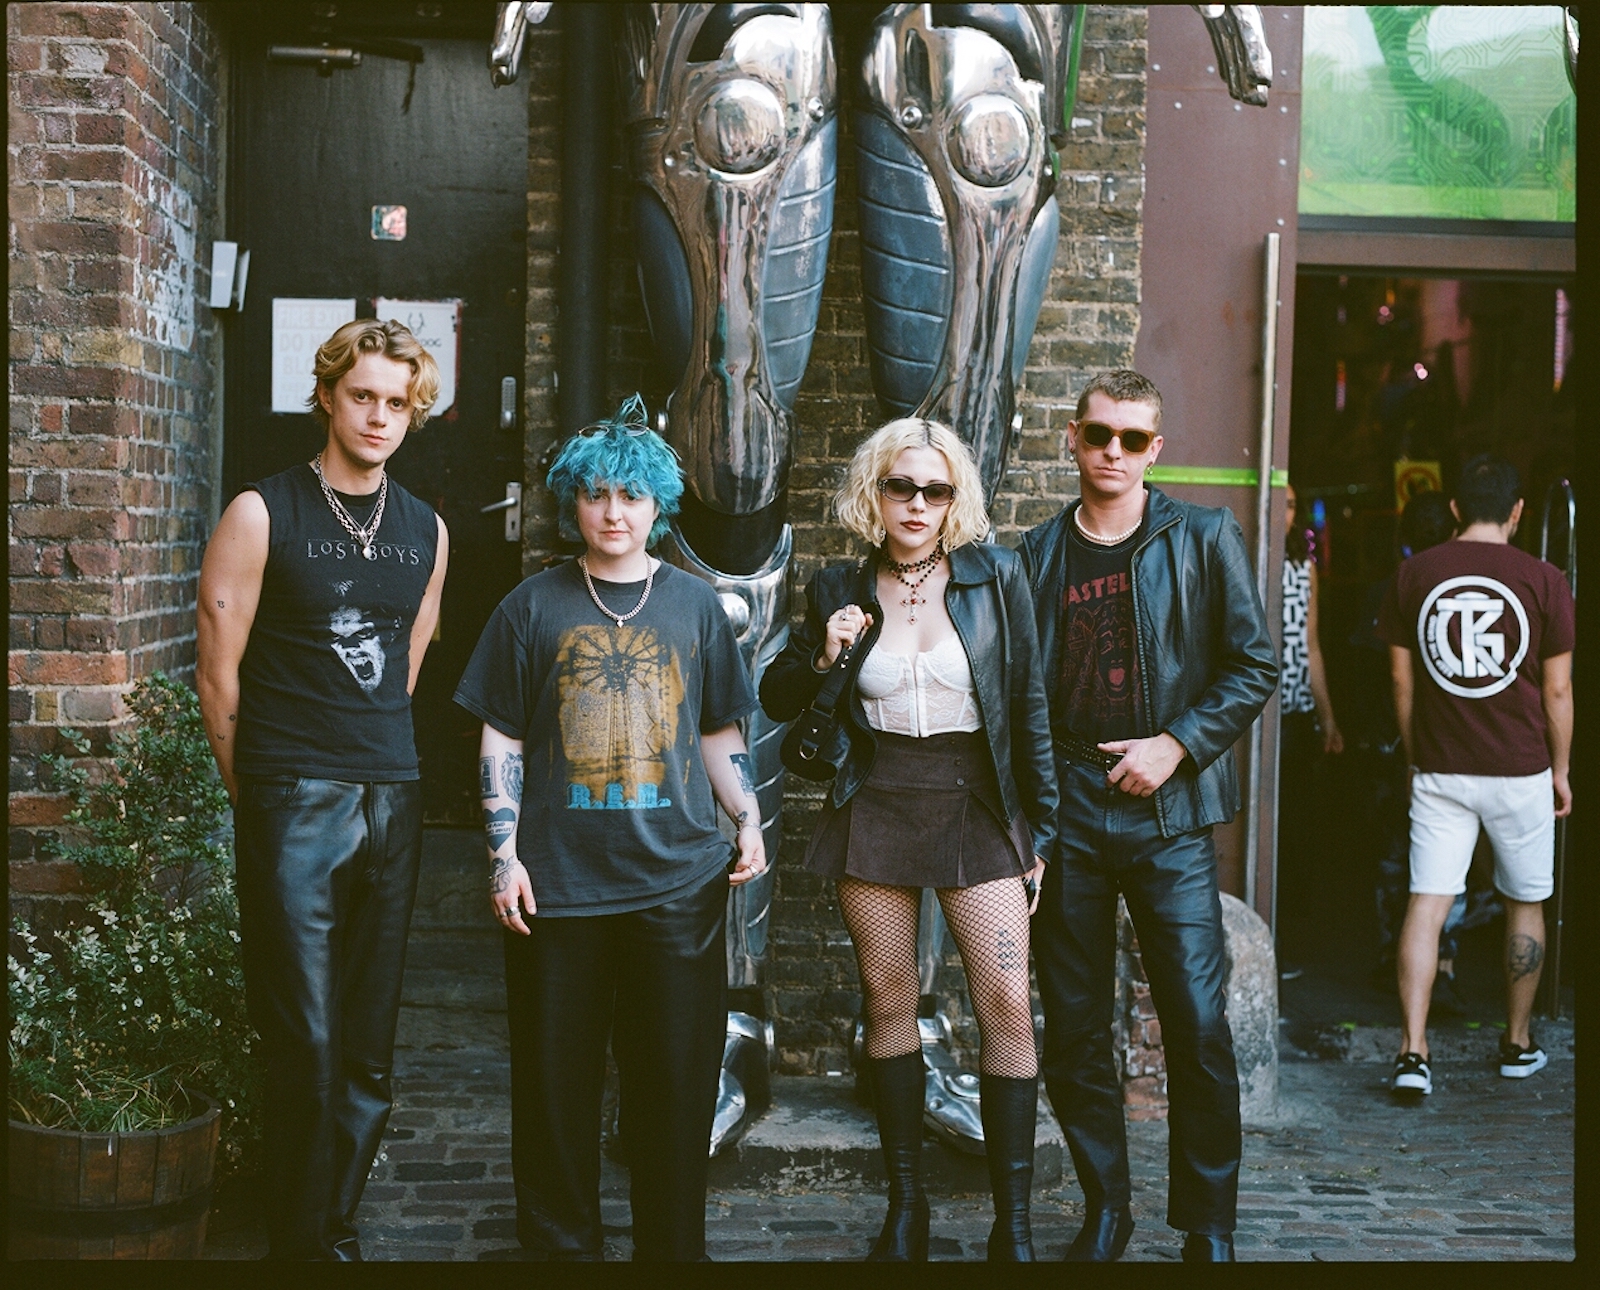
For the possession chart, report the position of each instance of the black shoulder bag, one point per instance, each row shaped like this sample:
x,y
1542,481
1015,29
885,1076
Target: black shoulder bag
x,y
817,742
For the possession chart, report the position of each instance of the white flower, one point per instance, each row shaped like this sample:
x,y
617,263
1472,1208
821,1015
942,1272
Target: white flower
x,y
138,1002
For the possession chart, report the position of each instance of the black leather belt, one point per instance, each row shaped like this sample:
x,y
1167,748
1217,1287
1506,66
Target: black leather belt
x,y
1084,753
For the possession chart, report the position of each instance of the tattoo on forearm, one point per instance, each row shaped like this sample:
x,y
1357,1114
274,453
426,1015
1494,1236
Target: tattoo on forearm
x,y
741,763
486,777
500,825
1007,953
511,775
501,879
1524,956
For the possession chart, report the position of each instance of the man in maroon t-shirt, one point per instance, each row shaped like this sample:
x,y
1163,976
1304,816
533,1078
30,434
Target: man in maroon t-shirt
x,y
1480,639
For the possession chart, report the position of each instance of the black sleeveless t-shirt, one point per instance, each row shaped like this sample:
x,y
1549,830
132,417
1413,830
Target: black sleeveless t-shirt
x,y
322,688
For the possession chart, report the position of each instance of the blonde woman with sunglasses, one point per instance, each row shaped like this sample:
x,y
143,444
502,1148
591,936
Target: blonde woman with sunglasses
x,y
949,783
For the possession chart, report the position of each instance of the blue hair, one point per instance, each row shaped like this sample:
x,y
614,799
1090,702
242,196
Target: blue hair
x,y
641,464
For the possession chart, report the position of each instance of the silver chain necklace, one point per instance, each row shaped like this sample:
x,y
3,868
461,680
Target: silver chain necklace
x,y
619,619
362,535
1114,539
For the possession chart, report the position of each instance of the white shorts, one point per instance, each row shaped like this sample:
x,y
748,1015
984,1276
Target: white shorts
x,y
1518,814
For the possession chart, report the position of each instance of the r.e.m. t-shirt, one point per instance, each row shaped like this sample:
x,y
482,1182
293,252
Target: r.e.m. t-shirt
x,y
617,811
1479,619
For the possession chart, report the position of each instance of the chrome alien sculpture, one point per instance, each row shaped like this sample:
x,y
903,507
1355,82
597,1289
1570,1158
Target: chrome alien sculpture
x,y
731,114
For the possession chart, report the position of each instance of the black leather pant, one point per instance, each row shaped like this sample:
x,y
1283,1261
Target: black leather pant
x,y
1111,841
327,875
653,981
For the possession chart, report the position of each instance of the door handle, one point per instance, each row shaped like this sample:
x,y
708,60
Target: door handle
x,y
512,506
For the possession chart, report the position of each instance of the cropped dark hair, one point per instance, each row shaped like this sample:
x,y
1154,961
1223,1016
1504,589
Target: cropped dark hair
x,y
1121,385
1487,491
1426,521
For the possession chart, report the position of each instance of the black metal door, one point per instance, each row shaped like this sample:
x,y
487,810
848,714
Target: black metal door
x,y
311,155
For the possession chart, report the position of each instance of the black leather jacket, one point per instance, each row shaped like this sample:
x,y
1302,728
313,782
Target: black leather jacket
x,y
987,598
1207,664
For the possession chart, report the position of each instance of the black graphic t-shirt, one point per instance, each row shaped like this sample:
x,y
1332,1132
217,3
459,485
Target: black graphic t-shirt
x,y
322,686
1098,685
617,812
1479,618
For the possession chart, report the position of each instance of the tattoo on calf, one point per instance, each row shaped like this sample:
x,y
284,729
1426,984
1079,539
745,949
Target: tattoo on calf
x,y
741,763
500,825
511,775
1524,956
486,777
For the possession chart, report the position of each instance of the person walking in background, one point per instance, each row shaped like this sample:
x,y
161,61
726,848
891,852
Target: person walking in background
x,y
1480,641
609,688
949,783
1307,728
1157,659
319,593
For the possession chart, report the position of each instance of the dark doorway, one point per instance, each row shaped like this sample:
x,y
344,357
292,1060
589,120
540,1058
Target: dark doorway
x,y
313,152
1397,381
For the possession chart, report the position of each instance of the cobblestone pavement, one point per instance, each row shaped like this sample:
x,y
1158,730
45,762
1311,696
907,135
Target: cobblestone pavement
x,y
1481,1170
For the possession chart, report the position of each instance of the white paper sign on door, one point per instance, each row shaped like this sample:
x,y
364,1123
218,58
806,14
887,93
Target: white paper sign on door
x,y
299,326
436,323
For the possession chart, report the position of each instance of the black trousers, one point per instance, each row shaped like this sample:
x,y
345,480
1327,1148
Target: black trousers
x,y
1110,842
653,981
327,873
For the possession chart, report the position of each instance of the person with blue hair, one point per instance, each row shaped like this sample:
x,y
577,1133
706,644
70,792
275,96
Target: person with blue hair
x,y
610,688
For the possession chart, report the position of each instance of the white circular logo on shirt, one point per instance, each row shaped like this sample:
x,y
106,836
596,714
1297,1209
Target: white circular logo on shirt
x,y
1462,630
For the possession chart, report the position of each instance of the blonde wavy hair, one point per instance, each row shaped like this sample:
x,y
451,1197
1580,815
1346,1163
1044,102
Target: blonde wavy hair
x,y
343,350
859,505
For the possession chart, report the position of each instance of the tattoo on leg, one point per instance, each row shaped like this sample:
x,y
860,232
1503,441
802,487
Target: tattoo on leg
x,y
486,777
500,826
1524,956
1007,953
511,775
741,763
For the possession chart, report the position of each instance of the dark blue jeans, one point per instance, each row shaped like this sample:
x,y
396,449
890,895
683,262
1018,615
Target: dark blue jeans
x,y
1111,842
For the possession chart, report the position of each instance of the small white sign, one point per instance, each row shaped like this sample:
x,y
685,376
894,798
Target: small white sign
x,y
436,323
299,326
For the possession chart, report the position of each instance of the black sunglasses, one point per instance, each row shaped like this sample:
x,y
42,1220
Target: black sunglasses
x,y
1097,435
901,489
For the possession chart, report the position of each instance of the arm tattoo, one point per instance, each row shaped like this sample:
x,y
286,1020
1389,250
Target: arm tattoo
x,y
1524,956
486,777
511,775
500,825
500,878
741,763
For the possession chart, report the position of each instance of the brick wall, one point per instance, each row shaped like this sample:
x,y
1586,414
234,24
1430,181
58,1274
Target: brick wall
x,y
114,157
1088,323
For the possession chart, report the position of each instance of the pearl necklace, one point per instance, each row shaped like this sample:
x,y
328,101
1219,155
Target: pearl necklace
x,y
619,619
1113,539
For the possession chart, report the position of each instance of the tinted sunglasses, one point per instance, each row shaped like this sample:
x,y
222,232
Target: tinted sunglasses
x,y
900,489
1097,435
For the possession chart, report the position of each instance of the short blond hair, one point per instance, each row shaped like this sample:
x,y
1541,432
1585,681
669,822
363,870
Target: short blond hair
x,y
859,506
343,350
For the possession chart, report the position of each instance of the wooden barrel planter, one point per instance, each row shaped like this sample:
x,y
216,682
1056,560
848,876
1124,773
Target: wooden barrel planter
x,y
112,1195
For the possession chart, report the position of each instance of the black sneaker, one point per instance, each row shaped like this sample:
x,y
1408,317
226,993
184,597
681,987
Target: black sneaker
x,y
1519,1063
1412,1075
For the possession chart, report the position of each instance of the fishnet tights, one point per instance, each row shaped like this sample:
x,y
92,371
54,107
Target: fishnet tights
x,y
990,926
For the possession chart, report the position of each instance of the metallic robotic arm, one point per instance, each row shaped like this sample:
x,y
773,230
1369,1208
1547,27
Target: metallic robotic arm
x,y
732,138
1243,59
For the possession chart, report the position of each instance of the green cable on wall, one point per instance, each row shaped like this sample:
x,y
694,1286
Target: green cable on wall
x,y
1226,476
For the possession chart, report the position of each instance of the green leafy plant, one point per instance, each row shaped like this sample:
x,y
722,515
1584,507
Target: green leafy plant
x,y
118,1021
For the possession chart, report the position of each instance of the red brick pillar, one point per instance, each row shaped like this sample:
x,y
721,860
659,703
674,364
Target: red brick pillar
x,y
114,161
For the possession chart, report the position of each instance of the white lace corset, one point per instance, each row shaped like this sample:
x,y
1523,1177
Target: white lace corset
x,y
927,695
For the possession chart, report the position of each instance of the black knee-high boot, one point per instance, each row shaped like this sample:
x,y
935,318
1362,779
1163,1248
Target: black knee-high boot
x,y
1010,1107
898,1092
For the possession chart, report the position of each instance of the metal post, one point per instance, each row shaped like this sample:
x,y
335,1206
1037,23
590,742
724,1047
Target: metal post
x,y
1269,383
583,277
1551,984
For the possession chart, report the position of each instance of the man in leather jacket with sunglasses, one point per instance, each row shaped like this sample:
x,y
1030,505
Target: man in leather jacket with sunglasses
x,y
1157,659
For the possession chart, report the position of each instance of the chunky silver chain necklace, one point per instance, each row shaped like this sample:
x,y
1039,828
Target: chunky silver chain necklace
x,y
1113,539
619,619
362,535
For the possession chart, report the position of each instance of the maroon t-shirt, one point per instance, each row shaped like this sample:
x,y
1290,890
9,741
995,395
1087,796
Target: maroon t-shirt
x,y
1479,618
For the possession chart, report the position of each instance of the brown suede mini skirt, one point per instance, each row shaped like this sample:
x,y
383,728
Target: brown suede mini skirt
x,y
928,815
